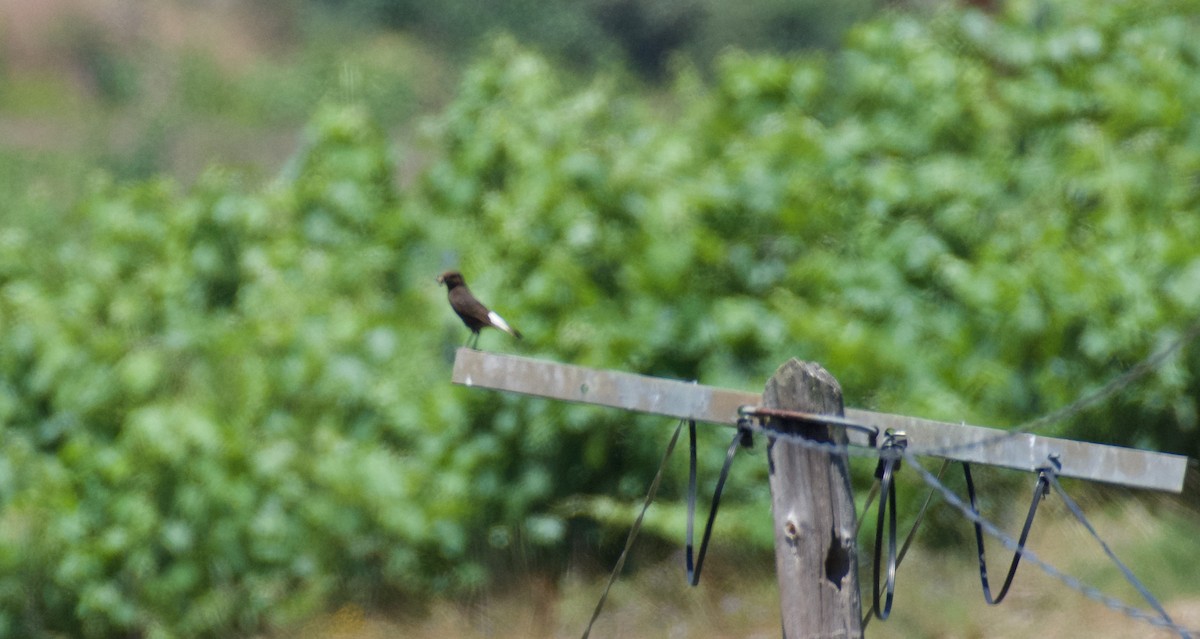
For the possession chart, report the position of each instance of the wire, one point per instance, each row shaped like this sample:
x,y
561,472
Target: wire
x,y
1148,365
1078,513
633,531
693,568
871,494
1030,557
912,532
1115,385
1039,492
890,463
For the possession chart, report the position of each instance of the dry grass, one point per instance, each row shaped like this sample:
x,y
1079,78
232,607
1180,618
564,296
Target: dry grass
x,y
938,594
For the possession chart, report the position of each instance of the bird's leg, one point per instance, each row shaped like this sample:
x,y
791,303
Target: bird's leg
x,y
474,341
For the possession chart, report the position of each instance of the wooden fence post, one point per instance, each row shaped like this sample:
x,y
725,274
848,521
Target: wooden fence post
x,y
813,508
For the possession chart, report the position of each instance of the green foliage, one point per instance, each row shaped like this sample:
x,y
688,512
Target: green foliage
x,y
202,409
226,408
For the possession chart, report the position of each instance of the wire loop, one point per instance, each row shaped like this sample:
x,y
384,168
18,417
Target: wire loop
x,y
741,438
633,531
1129,576
1040,490
890,455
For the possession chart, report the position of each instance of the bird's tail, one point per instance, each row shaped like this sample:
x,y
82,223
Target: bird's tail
x,y
499,323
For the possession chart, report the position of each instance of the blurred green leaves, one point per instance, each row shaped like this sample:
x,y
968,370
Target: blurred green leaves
x,y
185,377
233,400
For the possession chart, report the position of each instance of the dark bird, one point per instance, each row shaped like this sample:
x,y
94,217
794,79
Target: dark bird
x,y
470,310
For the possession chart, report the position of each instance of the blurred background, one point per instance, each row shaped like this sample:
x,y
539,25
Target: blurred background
x,y
225,407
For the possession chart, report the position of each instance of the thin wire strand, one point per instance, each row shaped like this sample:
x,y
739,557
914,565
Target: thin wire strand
x,y
1148,365
912,532
1129,576
1030,557
1115,385
1040,491
871,494
633,531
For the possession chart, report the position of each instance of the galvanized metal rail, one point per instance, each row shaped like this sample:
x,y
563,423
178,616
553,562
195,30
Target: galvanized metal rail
x,y
687,400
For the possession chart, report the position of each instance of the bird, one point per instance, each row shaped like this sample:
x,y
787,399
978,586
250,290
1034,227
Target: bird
x,y
470,310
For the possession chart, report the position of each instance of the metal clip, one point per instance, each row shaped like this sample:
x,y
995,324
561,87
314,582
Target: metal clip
x,y
892,450
745,426
1053,465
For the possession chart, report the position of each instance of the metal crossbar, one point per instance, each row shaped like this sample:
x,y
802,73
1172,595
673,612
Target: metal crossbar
x,y
686,400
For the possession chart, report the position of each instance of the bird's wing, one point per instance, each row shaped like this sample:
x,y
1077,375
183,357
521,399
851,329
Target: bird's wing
x,y
471,310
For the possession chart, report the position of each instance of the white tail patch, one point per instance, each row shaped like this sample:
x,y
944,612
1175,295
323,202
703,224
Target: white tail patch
x,y
499,323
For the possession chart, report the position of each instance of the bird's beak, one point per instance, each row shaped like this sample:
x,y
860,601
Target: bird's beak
x,y
439,279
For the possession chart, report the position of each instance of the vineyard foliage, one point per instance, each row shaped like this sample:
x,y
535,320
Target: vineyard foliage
x,y
225,408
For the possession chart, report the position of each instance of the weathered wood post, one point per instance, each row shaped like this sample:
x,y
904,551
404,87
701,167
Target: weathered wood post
x,y
813,509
